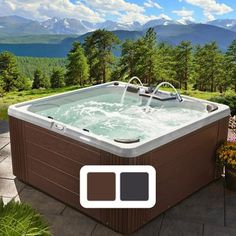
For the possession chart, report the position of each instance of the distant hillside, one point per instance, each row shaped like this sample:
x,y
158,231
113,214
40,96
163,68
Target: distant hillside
x,y
59,49
19,26
15,26
195,33
229,24
29,39
173,34
27,65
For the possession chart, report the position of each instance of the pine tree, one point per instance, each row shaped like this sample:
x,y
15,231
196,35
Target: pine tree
x,y
231,63
139,58
37,78
128,59
24,83
208,67
40,80
57,78
98,49
2,91
146,57
9,73
183,59
77,68
166,64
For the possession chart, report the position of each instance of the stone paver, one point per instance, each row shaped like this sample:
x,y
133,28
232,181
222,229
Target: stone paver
x,y
68,211
70,226
230,208
180,228
6,169
10,188
102,230
40,201
5,152
213,230
6,199
4,142
152,228
4,129
204,206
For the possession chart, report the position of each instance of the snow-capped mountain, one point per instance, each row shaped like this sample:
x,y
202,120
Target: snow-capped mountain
x,y
158,22
112,25
15,25
73,26
29,32
11,25
66,26
229,24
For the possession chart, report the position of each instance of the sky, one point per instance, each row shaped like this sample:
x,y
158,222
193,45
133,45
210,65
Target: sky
x,y
124,11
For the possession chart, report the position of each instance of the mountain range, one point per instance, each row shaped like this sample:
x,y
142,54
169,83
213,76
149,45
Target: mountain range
x,y
54,37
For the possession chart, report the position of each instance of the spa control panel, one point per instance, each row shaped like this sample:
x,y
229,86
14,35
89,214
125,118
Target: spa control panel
x,y
117,186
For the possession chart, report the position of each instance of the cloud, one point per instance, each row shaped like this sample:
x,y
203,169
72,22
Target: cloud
x,y
45,9
142,18
114,5
185,15
211,7
126,12
135,16
90,10
163,16
151,4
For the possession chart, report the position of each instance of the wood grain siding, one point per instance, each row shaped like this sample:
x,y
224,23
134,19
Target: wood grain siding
x,y
222,137
51,162
223,130
55,175
184,166
45,184
56,160
18,151
62,145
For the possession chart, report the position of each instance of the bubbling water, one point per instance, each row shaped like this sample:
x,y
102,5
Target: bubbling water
x,y
105,116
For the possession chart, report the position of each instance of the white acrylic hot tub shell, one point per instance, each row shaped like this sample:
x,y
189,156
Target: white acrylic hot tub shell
x,y
21,111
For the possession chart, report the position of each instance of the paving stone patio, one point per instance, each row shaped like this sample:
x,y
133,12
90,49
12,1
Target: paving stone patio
x,y
210,211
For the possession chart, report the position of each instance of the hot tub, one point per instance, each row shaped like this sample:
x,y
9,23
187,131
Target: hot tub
x,y
52,138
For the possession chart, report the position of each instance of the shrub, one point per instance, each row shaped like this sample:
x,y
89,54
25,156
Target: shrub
x,y
9,73
24,83
40,80
2,91
57,78
21,219
228,99
226,155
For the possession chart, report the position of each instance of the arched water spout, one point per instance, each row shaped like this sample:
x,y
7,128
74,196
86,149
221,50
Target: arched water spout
x,y
156,89
126,87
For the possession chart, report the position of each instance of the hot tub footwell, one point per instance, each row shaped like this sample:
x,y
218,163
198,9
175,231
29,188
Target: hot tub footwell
x,y
51,162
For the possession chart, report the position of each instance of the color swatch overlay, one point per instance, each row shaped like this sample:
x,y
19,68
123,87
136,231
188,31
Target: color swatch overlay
x,y
116,186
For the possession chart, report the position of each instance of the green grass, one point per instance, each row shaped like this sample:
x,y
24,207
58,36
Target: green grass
x,y
16,97
194,93
18,219
199,94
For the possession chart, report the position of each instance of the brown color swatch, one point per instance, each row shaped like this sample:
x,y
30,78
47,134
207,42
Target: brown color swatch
x,y
101,186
